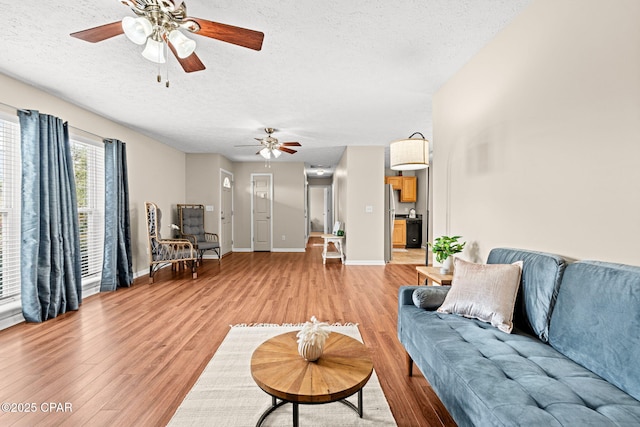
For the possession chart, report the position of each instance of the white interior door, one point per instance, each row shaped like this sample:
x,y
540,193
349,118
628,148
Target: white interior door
x,y
226,212
261,201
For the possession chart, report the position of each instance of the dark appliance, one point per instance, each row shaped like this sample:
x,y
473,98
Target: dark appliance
x,y
414,233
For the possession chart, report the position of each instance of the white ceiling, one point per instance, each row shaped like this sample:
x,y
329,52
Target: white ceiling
x,y
330,73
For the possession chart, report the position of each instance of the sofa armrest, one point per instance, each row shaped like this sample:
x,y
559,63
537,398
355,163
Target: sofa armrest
x,y
405,295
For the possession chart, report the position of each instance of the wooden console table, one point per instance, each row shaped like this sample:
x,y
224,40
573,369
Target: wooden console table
x,y
434,276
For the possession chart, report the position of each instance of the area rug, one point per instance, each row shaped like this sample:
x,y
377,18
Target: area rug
x,y
226,395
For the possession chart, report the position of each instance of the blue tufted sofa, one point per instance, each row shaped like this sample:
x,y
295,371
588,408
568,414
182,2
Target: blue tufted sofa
x,y
573,358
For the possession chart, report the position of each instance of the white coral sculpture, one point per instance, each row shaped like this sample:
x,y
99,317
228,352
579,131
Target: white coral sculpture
x,y
314,332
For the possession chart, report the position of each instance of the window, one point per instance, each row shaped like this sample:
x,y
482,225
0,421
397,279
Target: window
x,y
9,208
88,166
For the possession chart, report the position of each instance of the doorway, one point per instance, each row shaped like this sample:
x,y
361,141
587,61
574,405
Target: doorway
x,y
320,212
226,212
261,207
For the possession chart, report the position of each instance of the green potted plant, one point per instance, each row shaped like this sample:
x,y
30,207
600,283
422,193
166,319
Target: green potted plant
x,y
445,246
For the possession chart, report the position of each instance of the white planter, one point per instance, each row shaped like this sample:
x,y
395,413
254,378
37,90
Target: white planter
x,y
447,266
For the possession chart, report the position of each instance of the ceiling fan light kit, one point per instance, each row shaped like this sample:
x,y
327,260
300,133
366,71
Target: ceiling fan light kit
x,y
184,45
154,51
137,29
268,153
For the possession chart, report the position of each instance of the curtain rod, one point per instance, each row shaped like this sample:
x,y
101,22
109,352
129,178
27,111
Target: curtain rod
x,y
14,108
70,126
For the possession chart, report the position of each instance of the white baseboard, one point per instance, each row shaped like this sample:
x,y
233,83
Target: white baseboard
x,y
11,314
272,250
365,262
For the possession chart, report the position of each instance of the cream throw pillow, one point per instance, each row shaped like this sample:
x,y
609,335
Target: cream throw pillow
x,y
486,292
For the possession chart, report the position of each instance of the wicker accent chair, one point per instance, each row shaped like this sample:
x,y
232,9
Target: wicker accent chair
x,y
191,218
163,251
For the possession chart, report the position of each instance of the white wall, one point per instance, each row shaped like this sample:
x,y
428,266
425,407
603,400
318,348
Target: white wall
x,y
156,171
537,139
359,183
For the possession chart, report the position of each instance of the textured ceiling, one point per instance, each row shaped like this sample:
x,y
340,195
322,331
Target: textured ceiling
x,y
331,73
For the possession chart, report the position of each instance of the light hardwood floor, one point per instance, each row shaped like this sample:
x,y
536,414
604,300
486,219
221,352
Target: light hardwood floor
x,y
129,357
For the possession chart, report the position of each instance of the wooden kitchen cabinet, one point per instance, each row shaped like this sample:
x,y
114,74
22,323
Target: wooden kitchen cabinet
x,y
409,190
395,181
399,233
407,185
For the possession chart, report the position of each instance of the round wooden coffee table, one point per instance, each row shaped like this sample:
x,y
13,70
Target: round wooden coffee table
x,y
342,370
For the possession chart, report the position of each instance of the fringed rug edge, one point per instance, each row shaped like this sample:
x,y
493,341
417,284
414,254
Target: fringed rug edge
x,y
276,325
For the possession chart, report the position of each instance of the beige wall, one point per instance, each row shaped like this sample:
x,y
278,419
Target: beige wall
x,y
362,186
537,138
203,184
288,204
156,171
422,201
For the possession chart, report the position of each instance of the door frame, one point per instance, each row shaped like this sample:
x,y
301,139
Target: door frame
x,y
270,175
224,171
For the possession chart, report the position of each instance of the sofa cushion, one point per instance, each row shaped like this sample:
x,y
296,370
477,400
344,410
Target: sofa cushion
x,y
485,377
430,297
485,292
541,276
602,332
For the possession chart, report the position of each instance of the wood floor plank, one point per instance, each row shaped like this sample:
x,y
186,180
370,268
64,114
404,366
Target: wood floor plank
x,y
129,357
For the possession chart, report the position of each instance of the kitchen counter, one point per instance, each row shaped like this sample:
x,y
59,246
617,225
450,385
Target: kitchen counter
x,y
406,216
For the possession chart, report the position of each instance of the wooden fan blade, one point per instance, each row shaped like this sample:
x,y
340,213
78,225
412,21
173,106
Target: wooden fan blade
x,y
287,150
189,64
97,34
291,144
230,34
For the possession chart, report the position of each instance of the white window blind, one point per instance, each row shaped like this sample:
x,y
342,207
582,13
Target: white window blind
x,y
88,164
9,208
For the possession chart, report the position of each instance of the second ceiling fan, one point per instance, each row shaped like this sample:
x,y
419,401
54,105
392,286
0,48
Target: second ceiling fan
x,y
271,147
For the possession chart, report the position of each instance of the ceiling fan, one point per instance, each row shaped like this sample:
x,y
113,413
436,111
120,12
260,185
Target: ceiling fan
x,y
271,147
159,24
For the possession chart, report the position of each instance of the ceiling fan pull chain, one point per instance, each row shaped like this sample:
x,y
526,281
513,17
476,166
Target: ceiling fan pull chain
x,y
159,76
167,55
